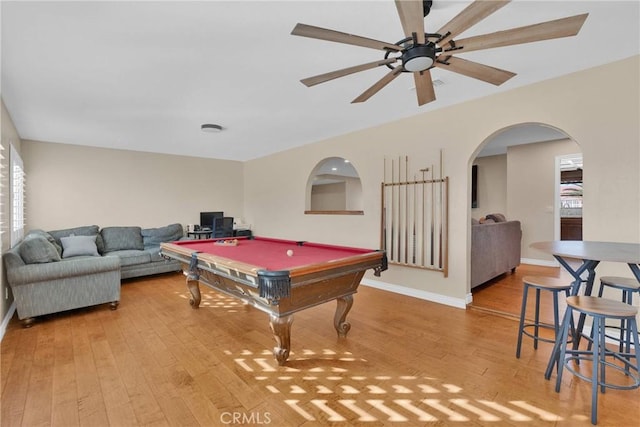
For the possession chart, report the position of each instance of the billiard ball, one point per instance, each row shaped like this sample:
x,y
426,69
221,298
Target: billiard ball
x,y
289,252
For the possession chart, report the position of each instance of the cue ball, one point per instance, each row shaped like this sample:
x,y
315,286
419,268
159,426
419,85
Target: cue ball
x,y
289,252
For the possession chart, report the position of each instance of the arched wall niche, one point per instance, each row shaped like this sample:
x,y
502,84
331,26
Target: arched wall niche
x,y
334,188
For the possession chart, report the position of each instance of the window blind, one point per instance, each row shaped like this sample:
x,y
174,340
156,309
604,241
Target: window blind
x,y
17,184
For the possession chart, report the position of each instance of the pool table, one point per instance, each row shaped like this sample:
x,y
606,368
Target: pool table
x,y
279,277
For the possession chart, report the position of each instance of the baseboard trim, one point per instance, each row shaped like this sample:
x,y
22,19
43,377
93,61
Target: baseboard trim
x,y
7,319
416,293
540,262
469,298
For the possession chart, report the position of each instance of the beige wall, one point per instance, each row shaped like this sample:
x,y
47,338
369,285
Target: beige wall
x,y
9,136
603,119
354,194
329,197
70,185
531,189
492,186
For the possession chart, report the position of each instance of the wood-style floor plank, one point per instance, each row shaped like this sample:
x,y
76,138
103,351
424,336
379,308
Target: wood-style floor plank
x,y
16,380
90,403
64,389
405,362
37,410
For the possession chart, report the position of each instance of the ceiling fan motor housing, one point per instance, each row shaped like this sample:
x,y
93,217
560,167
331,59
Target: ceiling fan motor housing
x,y
419,57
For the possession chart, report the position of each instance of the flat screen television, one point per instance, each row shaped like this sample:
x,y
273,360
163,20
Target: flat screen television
x,y
474,186
207,219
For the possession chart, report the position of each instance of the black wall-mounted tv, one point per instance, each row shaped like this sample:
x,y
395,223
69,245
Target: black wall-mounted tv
x,y
474,186
207,218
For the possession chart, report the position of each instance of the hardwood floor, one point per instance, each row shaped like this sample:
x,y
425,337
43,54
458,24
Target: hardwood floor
x,y
405,362
503,295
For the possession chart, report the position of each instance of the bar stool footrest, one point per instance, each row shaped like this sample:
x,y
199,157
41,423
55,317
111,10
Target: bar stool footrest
x,y
539,338
578,356
533,335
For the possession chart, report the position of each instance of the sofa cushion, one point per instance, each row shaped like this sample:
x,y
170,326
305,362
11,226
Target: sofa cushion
x,y
49,237
36,249
87,230
121,238
154,236
79,246
131,257
154,253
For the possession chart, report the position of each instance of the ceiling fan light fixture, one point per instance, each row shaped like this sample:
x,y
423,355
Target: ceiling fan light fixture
x,y
419,63
418,58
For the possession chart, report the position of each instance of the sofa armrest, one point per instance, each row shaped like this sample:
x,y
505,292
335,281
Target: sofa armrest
x,y
12,259
495,249
32,273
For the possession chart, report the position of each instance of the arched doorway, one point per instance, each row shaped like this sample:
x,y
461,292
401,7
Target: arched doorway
x,y
517,172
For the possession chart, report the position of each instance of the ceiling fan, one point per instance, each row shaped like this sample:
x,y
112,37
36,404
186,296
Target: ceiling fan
x,y
419,52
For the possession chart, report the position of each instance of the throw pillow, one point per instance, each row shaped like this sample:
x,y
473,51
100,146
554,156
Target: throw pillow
x,y
87,230
79,246
37,249
122,238
49,237
497,217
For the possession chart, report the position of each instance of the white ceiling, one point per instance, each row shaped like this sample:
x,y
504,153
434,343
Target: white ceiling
x,y
145,75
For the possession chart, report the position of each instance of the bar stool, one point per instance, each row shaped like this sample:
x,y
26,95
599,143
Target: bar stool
x,y
540,283
599,309
628,286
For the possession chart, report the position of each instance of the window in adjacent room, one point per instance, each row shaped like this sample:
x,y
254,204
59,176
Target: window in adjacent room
x,y
17,178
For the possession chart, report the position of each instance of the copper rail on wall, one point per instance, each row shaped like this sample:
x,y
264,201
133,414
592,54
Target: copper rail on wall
x,y
414,222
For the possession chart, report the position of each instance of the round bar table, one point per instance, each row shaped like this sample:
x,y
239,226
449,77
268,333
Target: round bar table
x,y
590,254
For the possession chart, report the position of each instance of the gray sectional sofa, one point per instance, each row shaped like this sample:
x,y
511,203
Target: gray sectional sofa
x,y
495,249
78,267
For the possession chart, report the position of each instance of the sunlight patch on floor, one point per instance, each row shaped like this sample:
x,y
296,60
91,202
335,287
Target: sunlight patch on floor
x,y
404,399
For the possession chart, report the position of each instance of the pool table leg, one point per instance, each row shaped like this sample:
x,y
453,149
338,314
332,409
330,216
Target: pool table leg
x,y
194,288
344,305
281,328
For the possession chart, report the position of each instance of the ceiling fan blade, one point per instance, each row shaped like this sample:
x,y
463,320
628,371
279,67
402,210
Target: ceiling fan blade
x,y
304,30
321,78
424,87
475,70
471,15
378,85
558,28
412,18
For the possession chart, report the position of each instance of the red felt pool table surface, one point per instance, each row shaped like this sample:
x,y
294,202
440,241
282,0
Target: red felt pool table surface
x,y
271,254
